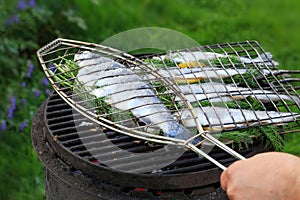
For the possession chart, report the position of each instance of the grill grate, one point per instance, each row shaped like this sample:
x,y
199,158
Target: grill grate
x,y
67,142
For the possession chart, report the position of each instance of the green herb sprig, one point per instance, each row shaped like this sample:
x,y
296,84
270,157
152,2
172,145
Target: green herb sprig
x,y
227,62
66,73
160,63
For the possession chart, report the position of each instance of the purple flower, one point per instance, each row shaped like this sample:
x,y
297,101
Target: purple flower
x,y
3,126
31,3
30,69
23,84
23,126
16,19
10,114
24,102
13,106
52,67
37,93
13,20
9,22
45,81
13,102
47,91
22,5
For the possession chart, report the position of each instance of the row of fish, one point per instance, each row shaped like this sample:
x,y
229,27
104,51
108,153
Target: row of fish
x,y
219,92
196,74
191,68
128,90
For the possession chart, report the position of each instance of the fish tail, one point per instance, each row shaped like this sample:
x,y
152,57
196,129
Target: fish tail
x,y
295,99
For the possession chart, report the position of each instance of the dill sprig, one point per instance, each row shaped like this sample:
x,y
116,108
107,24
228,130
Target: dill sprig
x,y
247,79
227,62
166,97
160,63
267,135
65,73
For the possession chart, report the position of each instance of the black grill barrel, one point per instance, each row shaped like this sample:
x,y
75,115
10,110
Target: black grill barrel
x,y
66,183
71,172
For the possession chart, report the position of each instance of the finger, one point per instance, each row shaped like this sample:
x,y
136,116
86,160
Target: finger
x,y
224,179
226,175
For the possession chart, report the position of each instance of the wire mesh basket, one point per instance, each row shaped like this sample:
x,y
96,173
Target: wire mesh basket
x,y
180,97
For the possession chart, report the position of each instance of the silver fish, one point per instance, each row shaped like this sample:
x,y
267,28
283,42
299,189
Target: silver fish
x,y
193,75
224,117
125,90
210,74
184,57
219,92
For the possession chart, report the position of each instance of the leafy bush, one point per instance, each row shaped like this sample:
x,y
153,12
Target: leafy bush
x,y
24,27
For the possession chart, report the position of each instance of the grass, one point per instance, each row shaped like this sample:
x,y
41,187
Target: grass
x,y
21,173
274,23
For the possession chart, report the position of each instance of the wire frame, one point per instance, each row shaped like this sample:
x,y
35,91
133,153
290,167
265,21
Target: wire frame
x,y
146,96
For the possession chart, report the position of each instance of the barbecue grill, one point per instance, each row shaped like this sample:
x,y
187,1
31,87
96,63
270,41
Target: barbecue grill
x,y
87,150
74,173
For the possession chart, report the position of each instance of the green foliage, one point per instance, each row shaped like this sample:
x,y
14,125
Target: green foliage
x,y
21,173
24,27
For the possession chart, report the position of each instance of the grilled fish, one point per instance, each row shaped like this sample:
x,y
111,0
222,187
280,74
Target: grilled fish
x,y
232,118
123,89
219,92
193,75
185,57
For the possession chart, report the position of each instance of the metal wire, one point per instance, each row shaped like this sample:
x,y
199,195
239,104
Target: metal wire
x,y
144,97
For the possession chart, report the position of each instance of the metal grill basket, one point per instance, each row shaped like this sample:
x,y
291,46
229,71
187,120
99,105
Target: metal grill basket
x,y
181,97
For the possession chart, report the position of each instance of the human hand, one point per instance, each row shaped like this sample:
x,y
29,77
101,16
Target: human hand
x,y
266,176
